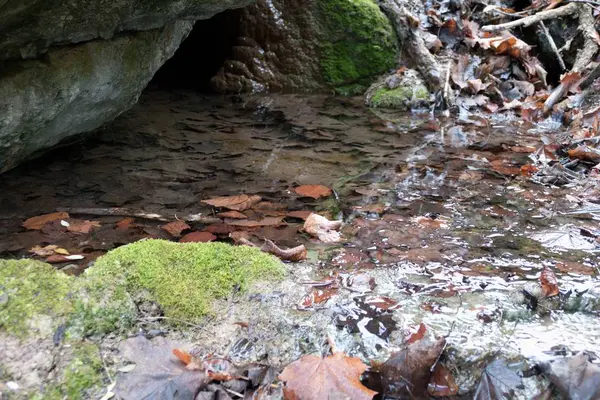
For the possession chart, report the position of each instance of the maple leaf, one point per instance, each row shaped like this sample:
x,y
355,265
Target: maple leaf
x,y
200,237
37,223
237,203
86,226
322,228
315,378
157,373
175,228
314,191
549,283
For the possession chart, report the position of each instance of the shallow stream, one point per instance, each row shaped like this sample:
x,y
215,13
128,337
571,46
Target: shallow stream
x,y
438,214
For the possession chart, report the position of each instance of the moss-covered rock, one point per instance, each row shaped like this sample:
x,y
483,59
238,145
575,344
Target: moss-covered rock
x,y
358,42
34,298
399,91
183,279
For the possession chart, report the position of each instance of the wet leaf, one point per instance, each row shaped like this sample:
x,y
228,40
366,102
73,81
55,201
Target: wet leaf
x,y
44,251
232,215
200,237
59,258
125,224
416,333
175,228
297,253
498,382
246,223
442,382
316,297
505,167
575,377
158,373
585,153
433,221
334,377
36,223
549,283
406,374
382,303
313,191
299,214
86,226
237,203
323,229
183,356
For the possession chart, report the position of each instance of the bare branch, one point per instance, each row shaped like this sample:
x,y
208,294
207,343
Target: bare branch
x,y
570,8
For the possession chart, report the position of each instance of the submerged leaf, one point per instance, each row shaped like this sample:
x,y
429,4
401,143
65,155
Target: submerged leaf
x,y
238,203
314,191
175,228
36,223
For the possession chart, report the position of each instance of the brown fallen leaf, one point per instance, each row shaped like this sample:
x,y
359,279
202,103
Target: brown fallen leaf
x,y
232,214
59,258
574,377
175,228
297,253
406,374
267,221
333,377
44,251
316,297
382,303
36,223
585,153
299,214
314,191
183,356
78,226
200,237
124,224
549,283
505,167
322,228
416,334
442,383
238,203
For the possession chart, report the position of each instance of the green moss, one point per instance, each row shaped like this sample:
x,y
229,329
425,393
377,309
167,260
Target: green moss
x,y
83,373
399,97
183,278
357,42
34,297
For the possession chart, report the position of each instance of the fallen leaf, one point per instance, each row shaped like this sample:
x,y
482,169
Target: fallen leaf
x,y
442,383
183,356
498,382
125,223
200,237
549,283
232,214
44,251
297,253
382,303
406,374
585,153
416,333
36,223
267,221
59,258
175,228
314,191
238,203
575,377
322,228
299,214
505,167
432,221
158,374
86,226
334,377
316,297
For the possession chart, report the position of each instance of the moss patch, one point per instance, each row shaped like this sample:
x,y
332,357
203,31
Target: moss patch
x,y
33,297
399,97
357,43
184,278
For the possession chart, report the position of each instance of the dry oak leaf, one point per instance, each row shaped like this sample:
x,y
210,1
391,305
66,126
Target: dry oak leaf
x,y
86,226
198,237
334,377
314,191
322,228
549,283
36,223
238,203
175,228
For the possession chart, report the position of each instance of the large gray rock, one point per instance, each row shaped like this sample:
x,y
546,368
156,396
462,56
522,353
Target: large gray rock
x,y
29,27
78,88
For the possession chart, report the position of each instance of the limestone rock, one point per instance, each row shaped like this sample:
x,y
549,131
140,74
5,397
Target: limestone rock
x,y
77,89
299,45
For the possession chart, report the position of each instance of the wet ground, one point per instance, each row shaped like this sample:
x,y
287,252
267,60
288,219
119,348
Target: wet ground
x,y
445,221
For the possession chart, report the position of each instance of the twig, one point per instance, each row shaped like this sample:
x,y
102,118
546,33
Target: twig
x,y
533,19
130,212
559,58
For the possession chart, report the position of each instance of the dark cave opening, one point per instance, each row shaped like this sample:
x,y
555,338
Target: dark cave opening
x,y
200,55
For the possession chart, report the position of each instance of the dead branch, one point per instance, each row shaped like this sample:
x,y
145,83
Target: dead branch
x,y
570,8
590,45
407,28
550,39
130,212
297,253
